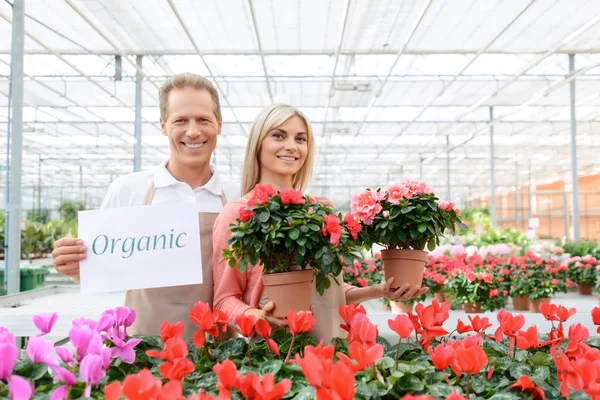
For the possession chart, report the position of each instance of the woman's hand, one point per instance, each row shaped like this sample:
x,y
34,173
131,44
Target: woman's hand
x,y
266,313
324,201
404,292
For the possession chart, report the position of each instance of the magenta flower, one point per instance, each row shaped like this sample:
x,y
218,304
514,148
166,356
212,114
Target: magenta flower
x,y
19,388
91,371
8,358
79,322
85,340
65,355
106,321
45,321
41,351
124,350
60,393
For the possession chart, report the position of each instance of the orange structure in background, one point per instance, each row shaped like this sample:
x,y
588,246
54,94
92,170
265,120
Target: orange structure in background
x,y
551,204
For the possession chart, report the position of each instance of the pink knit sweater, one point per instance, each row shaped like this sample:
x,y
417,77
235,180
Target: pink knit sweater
x,y
235,292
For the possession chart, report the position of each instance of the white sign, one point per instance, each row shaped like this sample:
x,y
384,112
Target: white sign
x,y
140,247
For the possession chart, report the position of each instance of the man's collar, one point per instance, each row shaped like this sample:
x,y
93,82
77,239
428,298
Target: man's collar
x,y
163,178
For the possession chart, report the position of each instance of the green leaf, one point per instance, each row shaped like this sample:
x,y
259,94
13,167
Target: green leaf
x,y
264,216
540,374
301,241
406,210
478,383
307,393
414,233
327,258
422,227
314,227
541,358
230,349
439,390
294,234
516,370
505,396
272,366
303,228
28,369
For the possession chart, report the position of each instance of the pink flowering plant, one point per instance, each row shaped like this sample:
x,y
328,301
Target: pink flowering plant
x,y
406,215
285,231
582,270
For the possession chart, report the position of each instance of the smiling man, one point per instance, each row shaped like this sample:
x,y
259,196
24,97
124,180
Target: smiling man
x,y
190,117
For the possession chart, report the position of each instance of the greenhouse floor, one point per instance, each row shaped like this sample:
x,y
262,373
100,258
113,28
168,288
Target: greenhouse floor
x,y
16,311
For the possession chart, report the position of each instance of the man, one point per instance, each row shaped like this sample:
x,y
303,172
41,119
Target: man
x,y
190,117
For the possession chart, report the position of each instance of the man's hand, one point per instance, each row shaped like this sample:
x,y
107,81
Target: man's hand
x,y
67,254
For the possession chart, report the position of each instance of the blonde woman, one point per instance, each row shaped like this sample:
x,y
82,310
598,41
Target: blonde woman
x,y
280,152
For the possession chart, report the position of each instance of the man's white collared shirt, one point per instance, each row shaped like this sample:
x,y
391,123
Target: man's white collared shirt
x,y
130,190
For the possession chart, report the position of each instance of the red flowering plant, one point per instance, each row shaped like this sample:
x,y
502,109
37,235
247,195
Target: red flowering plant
x,y
436,273
285,231
473,282
406,215
582,270
364,272
537,278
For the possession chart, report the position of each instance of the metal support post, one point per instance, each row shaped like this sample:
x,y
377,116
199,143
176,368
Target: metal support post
x,y
39,204
517,196
13,252
492,172
574,171
448,193
137,149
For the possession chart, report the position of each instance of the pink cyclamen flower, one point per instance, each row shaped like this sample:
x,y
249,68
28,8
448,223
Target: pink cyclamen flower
x,y
91,371
19,388
41,351
65,355
366,205
124,350
45,321
8,357
85,340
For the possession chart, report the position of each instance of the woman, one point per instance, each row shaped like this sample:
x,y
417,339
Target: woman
x,y
280,152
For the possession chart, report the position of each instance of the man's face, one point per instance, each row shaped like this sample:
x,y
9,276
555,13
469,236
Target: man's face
x,y
191,126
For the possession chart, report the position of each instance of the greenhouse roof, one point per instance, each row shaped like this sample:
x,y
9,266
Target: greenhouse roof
x,y
393,88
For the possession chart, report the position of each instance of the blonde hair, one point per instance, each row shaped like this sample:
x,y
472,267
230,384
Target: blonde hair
x,y
268,119
187,80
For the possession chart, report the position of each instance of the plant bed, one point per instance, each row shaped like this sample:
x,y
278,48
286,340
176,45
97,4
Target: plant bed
x,y
513,362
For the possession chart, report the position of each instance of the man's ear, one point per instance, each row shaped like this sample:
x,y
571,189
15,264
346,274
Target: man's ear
x,y
163,127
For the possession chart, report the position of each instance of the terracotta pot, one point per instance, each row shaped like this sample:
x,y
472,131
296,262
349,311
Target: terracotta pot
x,y
405,266
399,307
441,296
472,308
534,305
585,289
289,291
521,303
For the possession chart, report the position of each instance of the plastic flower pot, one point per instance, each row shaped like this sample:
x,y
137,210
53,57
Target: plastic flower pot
x,y
534,305
289,291
585,289
441,296
473,308
405,266
521,303
30,278
399,307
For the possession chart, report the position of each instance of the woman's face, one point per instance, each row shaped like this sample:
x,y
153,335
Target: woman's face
x,y
284,149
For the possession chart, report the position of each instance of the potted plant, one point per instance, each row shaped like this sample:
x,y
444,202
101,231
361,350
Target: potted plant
x,y
436,275
542,278
582,271
295,240
406,218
